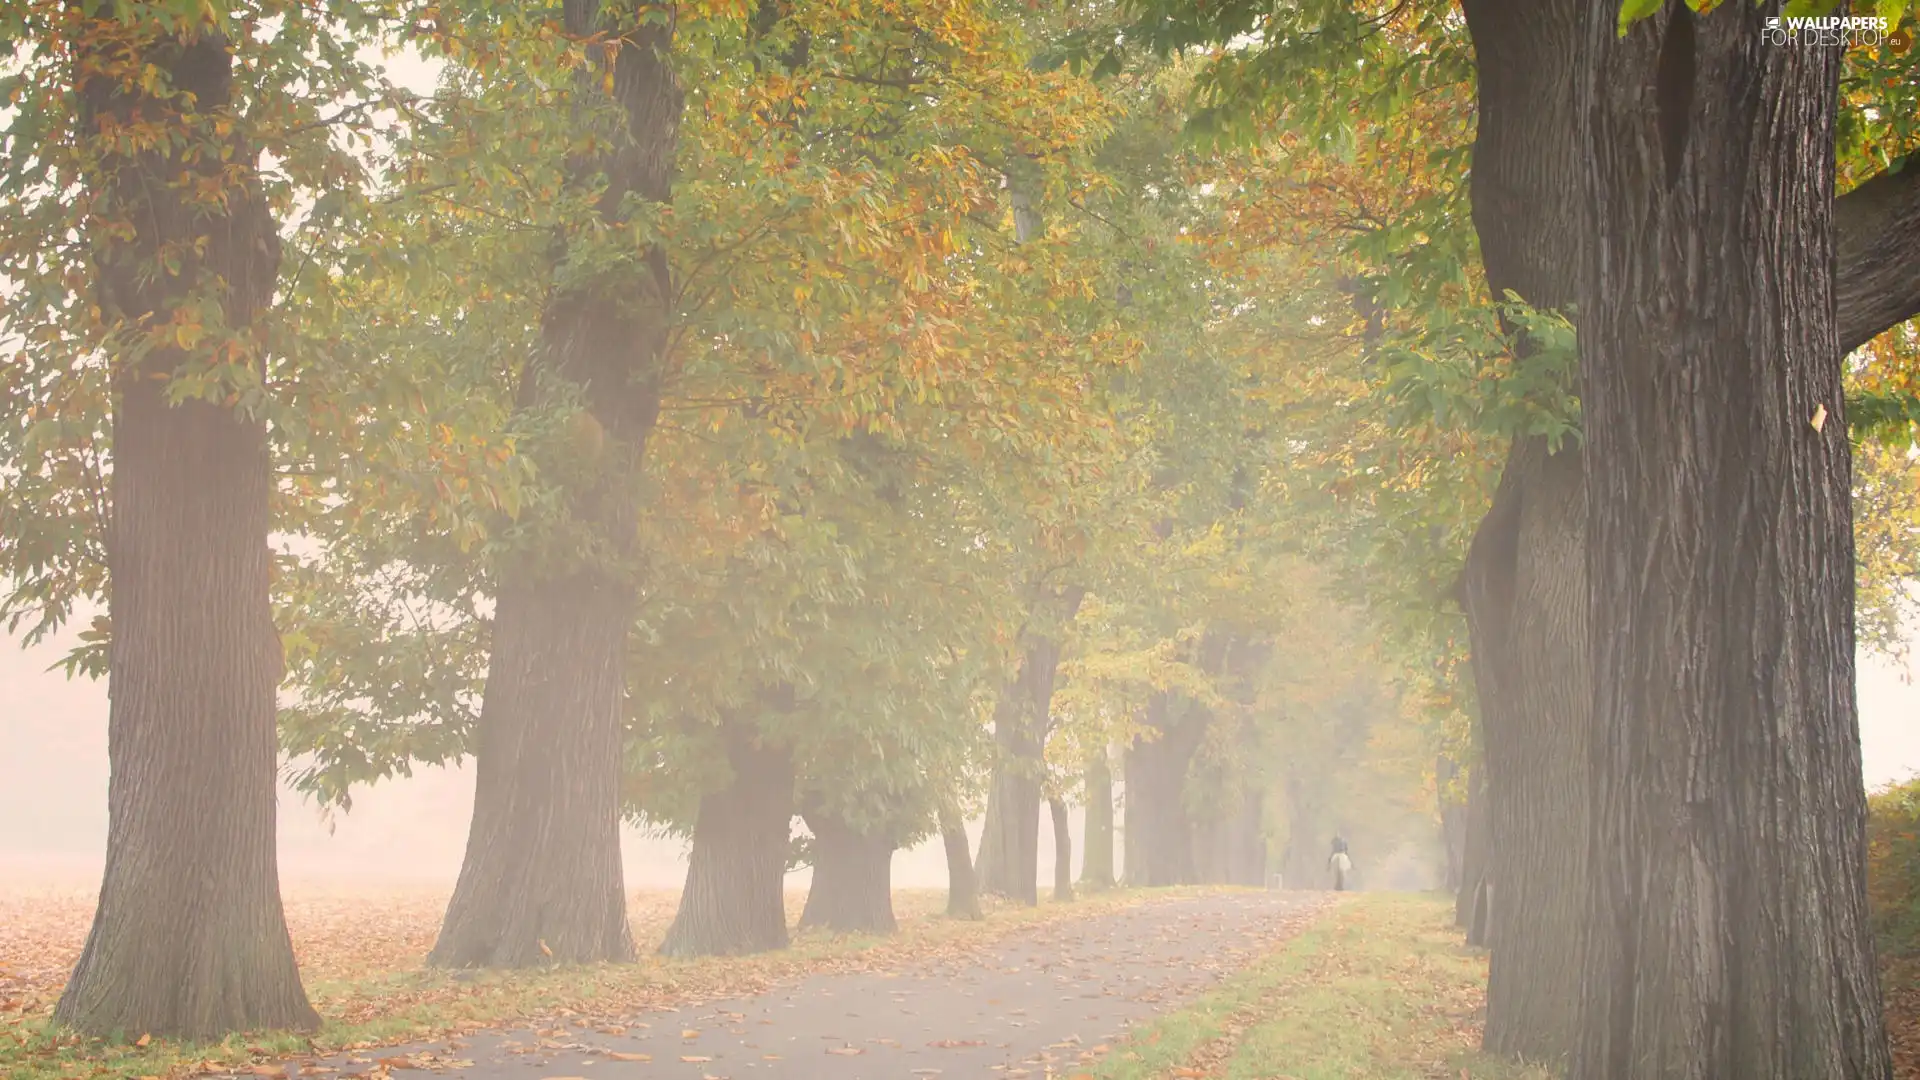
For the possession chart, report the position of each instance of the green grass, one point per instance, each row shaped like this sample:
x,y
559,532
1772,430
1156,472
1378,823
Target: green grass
x,y
1379,988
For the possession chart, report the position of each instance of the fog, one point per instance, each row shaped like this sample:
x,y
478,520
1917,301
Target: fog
x,y
405,832
410,832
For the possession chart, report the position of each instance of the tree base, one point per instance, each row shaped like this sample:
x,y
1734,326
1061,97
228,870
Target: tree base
x,y
852,889
733,902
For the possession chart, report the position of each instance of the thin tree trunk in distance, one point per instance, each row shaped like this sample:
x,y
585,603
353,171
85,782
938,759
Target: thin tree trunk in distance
x,y
963,891
1453,829
188,938
1062,852
1476,878
852,890
734,901
541,880
1010,843
1096,857
1010,839
1731,926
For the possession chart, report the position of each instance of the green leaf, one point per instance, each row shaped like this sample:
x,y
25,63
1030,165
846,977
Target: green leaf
x,y
1632,11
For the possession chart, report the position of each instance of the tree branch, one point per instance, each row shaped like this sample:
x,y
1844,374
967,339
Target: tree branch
x,y
1876,240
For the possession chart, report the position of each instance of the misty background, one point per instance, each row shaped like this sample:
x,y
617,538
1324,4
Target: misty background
x,y
412,832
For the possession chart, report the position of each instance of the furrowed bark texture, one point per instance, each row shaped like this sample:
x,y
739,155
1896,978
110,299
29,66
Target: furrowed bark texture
x,y
1731,933
188,938
1096,869
1525,594
541,880
1876,240
736,874
1535,704
852,889
963,891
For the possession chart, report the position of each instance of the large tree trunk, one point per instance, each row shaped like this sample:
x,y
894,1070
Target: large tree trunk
x,y
188,938
1062,851
544,885
1159,831
1731,932
734,900
1096,847
1534,709
852,889
963,889
1525,596
541,880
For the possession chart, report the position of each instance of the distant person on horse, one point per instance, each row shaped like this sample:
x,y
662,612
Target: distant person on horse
x,y
1340,864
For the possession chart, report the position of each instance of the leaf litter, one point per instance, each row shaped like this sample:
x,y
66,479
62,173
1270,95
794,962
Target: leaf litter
x,y
360,952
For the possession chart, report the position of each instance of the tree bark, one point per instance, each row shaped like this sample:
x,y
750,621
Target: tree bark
x,y
1534,712
1524,594
1096,869
541,881
1474,856
1062,852
188,938
1009,863
1876,239
963,890
734,901
1159,829
1010,843
1453,830
852,889
1731,930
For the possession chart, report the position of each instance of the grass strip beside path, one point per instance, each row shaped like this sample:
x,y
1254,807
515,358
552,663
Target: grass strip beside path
x,y
416,1004
1379,987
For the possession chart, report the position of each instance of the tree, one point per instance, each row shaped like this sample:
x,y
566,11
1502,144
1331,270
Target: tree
x,y
1524,592
1096,847
188,938
1730,923
541,880
156,160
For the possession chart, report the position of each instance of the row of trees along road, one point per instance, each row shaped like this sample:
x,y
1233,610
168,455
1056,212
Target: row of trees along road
x,y
704,417
1662,612
714,415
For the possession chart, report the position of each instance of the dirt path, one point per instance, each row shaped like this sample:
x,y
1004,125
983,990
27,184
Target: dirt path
x,y
1031,1005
